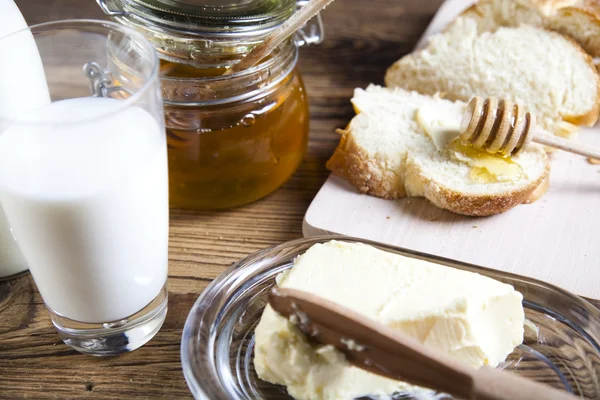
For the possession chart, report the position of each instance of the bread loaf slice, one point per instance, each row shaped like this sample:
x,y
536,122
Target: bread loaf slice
x,y
493,14
579,19
543,71
385,151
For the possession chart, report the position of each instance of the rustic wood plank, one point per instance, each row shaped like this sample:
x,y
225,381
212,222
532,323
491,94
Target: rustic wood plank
x,y
363,38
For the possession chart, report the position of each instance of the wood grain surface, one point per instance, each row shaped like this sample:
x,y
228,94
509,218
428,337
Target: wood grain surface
x,y
362,39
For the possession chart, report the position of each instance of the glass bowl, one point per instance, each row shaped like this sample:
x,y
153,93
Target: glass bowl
x,y
561,346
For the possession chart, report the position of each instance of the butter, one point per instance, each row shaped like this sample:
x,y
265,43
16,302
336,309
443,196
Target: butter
x,y
470,317
486,167
441,125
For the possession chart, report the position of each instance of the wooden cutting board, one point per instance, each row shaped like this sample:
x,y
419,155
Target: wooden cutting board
x,y
555,239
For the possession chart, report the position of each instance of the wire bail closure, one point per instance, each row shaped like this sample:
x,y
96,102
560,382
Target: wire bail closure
x,y
110,12
312,32
101,81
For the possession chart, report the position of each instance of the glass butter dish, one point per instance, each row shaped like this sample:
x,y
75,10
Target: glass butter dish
x,y
561,346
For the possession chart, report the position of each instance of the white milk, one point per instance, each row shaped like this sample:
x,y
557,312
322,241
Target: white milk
x,y
88,204
11,259
22,88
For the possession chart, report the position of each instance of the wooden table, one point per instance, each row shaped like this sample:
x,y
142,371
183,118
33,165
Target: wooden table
x,y
362,39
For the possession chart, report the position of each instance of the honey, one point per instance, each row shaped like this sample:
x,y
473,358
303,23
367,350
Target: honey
x,y
178,70
486,167
231,139
224,156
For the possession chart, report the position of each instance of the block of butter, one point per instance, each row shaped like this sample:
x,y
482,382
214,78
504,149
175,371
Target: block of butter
x,y
467,316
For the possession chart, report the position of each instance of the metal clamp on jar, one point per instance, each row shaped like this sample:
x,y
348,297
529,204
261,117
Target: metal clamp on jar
x,y
231,139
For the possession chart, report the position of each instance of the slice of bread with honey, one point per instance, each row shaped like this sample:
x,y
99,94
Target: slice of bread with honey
x,y
399,145
543,71
579,19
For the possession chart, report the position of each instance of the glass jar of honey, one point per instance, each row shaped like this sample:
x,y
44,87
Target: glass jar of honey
x,y
231,139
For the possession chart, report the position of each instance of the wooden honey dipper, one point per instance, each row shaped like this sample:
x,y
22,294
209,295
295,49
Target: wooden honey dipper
x,y
501,126
276,37
379,349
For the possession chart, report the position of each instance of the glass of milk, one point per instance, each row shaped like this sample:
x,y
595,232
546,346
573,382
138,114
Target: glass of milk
x,y
83,179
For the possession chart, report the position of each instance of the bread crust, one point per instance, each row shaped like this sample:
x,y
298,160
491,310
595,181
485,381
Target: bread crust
x,y
590,10
540,7
478,205
472,9
591,117
368,174
545,8
588,119
552,12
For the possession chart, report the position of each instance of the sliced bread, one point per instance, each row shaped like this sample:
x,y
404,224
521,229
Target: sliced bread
x,y
387,152
579,19
493,14
543,71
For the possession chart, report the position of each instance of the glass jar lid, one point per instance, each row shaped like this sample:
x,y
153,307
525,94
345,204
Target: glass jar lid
x,y
208,17
208,32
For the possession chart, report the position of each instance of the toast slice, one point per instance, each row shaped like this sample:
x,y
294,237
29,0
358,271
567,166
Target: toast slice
x,y
543,71
388,151
579,19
